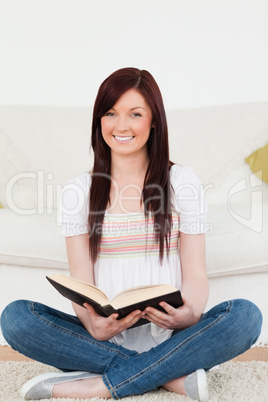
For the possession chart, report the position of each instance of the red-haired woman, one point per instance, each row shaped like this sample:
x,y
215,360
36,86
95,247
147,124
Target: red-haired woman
x,y
135,219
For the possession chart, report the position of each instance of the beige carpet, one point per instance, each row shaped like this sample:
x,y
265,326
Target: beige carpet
x,y
236,382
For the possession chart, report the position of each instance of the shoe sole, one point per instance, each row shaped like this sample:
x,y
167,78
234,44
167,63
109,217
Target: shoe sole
x,y
46,376
202,385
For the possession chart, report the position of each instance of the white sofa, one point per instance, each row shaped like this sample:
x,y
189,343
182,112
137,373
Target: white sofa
x,y
43,147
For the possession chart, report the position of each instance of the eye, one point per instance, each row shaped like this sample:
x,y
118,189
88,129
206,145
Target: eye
x,y
109,114
136,115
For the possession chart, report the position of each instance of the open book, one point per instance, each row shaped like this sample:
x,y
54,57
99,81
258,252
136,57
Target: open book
x,y
137,298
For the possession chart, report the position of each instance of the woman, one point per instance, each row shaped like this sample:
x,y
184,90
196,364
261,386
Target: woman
x,y
143,223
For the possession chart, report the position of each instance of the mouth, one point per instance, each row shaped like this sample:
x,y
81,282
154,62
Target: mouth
x,y
123,140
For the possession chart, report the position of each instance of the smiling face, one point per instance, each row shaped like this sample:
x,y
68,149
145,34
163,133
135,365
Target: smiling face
x,y
127,125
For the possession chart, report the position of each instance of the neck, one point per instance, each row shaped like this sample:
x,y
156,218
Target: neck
x,y
129,168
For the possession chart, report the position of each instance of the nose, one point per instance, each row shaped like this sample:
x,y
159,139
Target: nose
x,y
122,124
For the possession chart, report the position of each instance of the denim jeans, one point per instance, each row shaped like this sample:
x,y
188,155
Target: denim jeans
x,y
60,340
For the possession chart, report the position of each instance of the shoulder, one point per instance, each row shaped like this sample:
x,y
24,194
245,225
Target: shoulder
x,y
183,175
73,209
83,181
76,190
187,189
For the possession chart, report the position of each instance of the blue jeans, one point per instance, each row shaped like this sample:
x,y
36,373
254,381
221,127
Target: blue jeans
x,y
60,340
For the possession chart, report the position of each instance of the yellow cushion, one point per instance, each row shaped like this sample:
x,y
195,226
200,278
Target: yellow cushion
x,y
1,206
258,162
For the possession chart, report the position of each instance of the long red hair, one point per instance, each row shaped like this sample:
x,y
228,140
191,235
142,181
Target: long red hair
x,y
157,175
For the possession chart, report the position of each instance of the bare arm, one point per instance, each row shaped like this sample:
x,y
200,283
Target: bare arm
x,y
194,286
81,268
194,275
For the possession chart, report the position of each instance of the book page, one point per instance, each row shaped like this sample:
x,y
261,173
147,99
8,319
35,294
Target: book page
x,y
91,291
141,293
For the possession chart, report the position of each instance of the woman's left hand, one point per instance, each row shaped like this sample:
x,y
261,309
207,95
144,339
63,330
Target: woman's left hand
x,y
174,318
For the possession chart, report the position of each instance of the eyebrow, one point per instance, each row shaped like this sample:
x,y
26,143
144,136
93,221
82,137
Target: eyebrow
x,y
133,108
137,107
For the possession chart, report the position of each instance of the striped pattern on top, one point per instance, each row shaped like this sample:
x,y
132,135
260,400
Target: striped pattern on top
x,y
127,236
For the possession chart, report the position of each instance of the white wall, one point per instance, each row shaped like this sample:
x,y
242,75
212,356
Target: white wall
x,y
201,52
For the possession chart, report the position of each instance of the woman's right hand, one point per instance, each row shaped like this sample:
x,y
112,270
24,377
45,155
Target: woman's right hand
x,y
105,328
81,267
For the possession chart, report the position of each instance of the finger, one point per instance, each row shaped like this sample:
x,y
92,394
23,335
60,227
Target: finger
x,y
93,314
113,317
167,307
158,322
132,318
89,308
132,315
158,317
155,314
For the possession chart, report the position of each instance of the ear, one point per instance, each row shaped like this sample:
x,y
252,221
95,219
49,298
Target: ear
x,y
152,126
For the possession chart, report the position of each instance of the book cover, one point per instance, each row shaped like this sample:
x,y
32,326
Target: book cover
x,y
174,299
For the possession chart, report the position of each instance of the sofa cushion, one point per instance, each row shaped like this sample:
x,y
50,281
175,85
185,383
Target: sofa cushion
x,y
32,241
258,162
52,144
235,244
47,146
238,186
212,139
14,164
232,247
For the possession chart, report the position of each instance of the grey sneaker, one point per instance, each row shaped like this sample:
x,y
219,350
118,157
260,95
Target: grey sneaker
x,y
41,387
195,386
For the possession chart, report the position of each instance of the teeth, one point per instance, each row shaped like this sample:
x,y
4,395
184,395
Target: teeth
x,y
123,138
